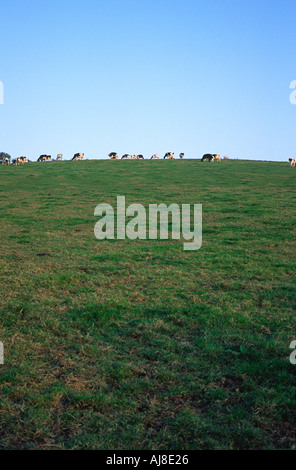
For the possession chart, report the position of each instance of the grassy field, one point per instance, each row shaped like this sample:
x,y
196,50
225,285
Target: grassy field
x,y
138,344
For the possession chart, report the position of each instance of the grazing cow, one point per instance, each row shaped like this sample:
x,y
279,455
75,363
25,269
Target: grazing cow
x,y
140,157
78,156
182,155
155,156
17,161
113,156
125,156
292,162
60,156
21,160
134,157
211,157
44,158
5,161
207,157
169,155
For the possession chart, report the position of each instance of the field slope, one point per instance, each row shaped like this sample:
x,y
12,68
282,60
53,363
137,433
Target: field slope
x,y
138,344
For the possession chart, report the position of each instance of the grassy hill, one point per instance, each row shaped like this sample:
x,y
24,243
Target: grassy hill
x,y
138,344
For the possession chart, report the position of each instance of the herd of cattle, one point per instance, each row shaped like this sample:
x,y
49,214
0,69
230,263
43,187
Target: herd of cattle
x,y
169,155
126,156
208,157
42,158
112,156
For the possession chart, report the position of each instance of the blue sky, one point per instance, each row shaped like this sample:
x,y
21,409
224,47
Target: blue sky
x,y
147,76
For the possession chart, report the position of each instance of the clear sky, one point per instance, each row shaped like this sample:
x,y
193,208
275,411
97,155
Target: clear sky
x,y
148,76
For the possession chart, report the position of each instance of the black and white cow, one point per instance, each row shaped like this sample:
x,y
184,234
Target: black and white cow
x,y
44,158
113,156
78,156
169,155
207,157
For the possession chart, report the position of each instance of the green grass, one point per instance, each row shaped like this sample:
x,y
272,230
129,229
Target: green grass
x,y
140,345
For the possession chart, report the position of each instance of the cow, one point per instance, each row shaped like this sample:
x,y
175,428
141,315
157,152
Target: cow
x,y
5,161
17,161
155,156
20,160
125,156
207,157
44,158
113,156
169,155
78,156
226,158
182,155
211,157
60,156
292,162
140,157
134,157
